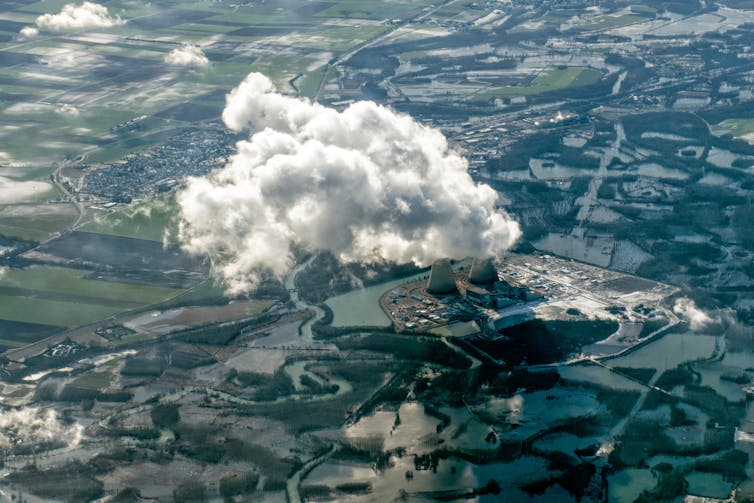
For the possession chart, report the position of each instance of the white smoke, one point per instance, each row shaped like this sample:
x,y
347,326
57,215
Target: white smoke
x,y
31,425
74,17
698,319
367,184
187,55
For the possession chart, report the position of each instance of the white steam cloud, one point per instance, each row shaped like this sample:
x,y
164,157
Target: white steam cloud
x,y
73,17
187,55
698,319
367,184
31,425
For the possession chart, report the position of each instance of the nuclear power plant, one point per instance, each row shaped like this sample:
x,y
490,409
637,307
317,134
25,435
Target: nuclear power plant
x,y
483,271
441,279
474,292
484,295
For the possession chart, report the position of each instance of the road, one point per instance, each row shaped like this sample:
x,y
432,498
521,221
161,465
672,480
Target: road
x,y
292,487
71,198
617,430
589,199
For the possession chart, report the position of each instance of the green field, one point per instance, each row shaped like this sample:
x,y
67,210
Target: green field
x,y
371,9
608,22
51,312
63,297
290,42
71,282
147,220
23,233
35,222
552,79
96,380
736,127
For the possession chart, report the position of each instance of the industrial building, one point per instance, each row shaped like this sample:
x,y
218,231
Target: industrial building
x,y
441,278
483,271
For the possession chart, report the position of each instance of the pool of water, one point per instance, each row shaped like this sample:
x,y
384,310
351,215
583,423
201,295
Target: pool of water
x,y
669,352
465,431
416,430
564,442
595,374
710,485
626,485
721,158
712,372
532,412
362,307
657,171
451,475
545,171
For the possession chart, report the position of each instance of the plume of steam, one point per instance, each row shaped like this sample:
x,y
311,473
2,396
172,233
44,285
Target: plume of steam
x,y
698,319
187,55
73,17
368,184
31,425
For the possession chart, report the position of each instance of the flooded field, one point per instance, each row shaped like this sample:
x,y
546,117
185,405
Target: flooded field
x,y
163,322
709,485
449,475
669,352
535,411
626,485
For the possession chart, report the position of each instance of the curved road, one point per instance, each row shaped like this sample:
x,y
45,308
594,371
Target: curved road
x,y
71,198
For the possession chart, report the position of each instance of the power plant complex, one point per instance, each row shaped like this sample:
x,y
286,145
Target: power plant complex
x,y
467,296
486,296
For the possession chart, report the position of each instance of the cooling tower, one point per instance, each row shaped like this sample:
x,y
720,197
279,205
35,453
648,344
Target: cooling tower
x,y
482,271
441,278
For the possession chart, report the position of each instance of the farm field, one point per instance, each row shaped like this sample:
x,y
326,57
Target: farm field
x,y
148,220
551,79
66,298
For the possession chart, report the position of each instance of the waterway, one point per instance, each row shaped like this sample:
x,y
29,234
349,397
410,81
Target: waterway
x,y
361,307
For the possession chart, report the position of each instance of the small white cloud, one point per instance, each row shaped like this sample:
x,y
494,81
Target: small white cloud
x,y
697,318
187,55
28,32
31,425
72,17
